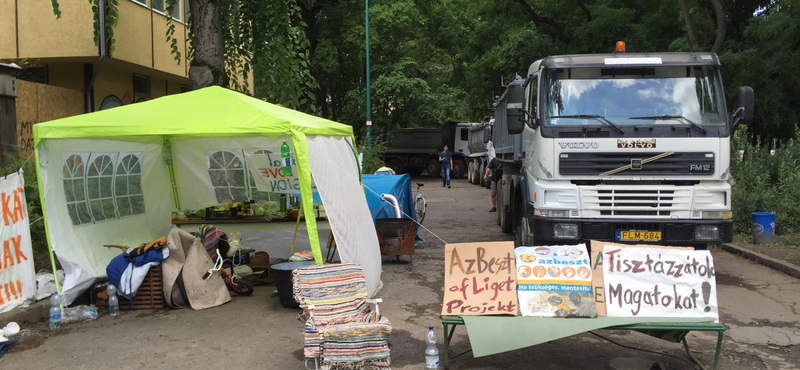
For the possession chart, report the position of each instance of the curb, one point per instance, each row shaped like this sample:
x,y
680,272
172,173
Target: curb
x,y
782,266
32,314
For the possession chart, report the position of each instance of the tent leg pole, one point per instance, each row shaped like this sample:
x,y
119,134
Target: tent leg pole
x,y
296,227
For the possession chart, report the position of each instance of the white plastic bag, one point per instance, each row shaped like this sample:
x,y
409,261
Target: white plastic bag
x,y
46,284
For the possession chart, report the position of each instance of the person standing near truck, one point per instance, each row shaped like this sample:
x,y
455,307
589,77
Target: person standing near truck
x,y
496,167
446,160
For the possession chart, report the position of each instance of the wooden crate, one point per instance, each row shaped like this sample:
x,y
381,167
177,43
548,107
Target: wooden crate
x,y
150,294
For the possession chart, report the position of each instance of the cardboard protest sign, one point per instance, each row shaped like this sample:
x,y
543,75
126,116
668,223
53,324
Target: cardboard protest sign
x,y
659,282
17,282
598,287
555,281
479,279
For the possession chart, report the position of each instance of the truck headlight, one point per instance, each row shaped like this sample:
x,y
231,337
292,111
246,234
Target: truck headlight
x,y
558,213
706,233
712,214
565,231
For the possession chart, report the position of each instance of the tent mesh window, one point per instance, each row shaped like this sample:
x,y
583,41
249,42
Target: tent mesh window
x,y
99,186
128,187
227,173
75,191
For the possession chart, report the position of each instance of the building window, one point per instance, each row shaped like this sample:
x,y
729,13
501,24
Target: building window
x,y
141,87
100,188
34,74
128,187
159,5
176,10
75,191
106,188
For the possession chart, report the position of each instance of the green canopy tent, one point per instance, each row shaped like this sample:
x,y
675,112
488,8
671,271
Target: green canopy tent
x,y
114,176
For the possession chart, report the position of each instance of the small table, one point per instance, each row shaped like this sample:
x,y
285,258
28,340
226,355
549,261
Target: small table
x,y
450,322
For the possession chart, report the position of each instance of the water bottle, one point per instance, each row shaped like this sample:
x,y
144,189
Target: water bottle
x,y
431,353
55,311
286,157
113,301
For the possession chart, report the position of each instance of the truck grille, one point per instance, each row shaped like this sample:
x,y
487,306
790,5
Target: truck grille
x,y
638,201
596,164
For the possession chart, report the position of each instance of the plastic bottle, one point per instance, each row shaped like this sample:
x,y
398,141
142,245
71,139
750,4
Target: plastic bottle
x,y
55,311
431,353
113,301
286,157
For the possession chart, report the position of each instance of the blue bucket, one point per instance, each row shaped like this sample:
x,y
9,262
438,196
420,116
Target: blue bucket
x,y
763,227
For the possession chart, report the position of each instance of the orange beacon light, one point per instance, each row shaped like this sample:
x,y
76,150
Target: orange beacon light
x,y
620,47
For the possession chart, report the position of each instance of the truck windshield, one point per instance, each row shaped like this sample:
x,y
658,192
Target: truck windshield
x,y
633,96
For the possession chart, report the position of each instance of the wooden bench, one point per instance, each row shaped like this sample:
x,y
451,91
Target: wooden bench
x,y
450,323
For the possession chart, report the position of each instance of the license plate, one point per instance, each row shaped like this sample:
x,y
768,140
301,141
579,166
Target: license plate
x,y
647,236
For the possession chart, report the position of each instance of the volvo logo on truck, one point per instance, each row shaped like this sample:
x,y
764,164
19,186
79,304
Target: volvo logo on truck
x,y
580,145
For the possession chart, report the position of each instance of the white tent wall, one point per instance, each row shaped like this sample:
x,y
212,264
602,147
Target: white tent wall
x,y
195,189
335,170
80,247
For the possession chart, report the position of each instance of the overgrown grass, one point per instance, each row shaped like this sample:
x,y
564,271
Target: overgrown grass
x,y
766,183
41,256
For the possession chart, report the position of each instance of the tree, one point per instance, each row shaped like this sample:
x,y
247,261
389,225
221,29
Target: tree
x,y
232,38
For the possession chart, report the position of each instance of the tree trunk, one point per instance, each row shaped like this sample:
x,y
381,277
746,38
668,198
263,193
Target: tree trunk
x,y
721,27
207,67
689,29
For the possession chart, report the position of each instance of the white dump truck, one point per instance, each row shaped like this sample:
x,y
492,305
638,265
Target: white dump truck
x,y
623,147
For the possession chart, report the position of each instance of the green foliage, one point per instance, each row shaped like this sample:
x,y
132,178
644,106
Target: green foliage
x,y
111,18
372,160
41,255
766,183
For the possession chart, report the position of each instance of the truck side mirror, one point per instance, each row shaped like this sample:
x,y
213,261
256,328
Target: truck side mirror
x,y
487,134
744,114
515,115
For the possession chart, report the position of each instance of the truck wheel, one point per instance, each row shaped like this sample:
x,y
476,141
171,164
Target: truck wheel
x,y
434,168
481,181
471,172
476,176
459,169
396,165
499,201
523,238
506,218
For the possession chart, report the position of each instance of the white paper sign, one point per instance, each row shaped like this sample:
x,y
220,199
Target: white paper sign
x,y
17,281
266,169
651,282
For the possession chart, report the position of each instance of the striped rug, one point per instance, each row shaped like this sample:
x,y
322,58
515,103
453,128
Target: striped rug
x,y
344,331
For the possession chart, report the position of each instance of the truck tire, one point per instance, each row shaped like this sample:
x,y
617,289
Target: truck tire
x,y
471,172
523,238
506,214
476,176
396,165
434,168
499,201
459,169
481,181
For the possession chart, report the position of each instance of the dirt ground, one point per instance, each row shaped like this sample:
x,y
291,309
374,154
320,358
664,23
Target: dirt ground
x,y
757,305
786,247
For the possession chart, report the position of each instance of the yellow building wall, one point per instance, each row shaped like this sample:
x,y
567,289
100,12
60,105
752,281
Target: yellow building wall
x,y
164,59
133,34
112,81
42,36
8,30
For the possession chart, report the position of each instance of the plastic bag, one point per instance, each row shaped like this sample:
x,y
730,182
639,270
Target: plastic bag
x,y
302,256
78,314
46,284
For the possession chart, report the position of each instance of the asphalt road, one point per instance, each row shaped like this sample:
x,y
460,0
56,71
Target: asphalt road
x,y
757,305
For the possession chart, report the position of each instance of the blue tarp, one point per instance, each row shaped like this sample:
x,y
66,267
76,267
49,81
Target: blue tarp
x,y
397,185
